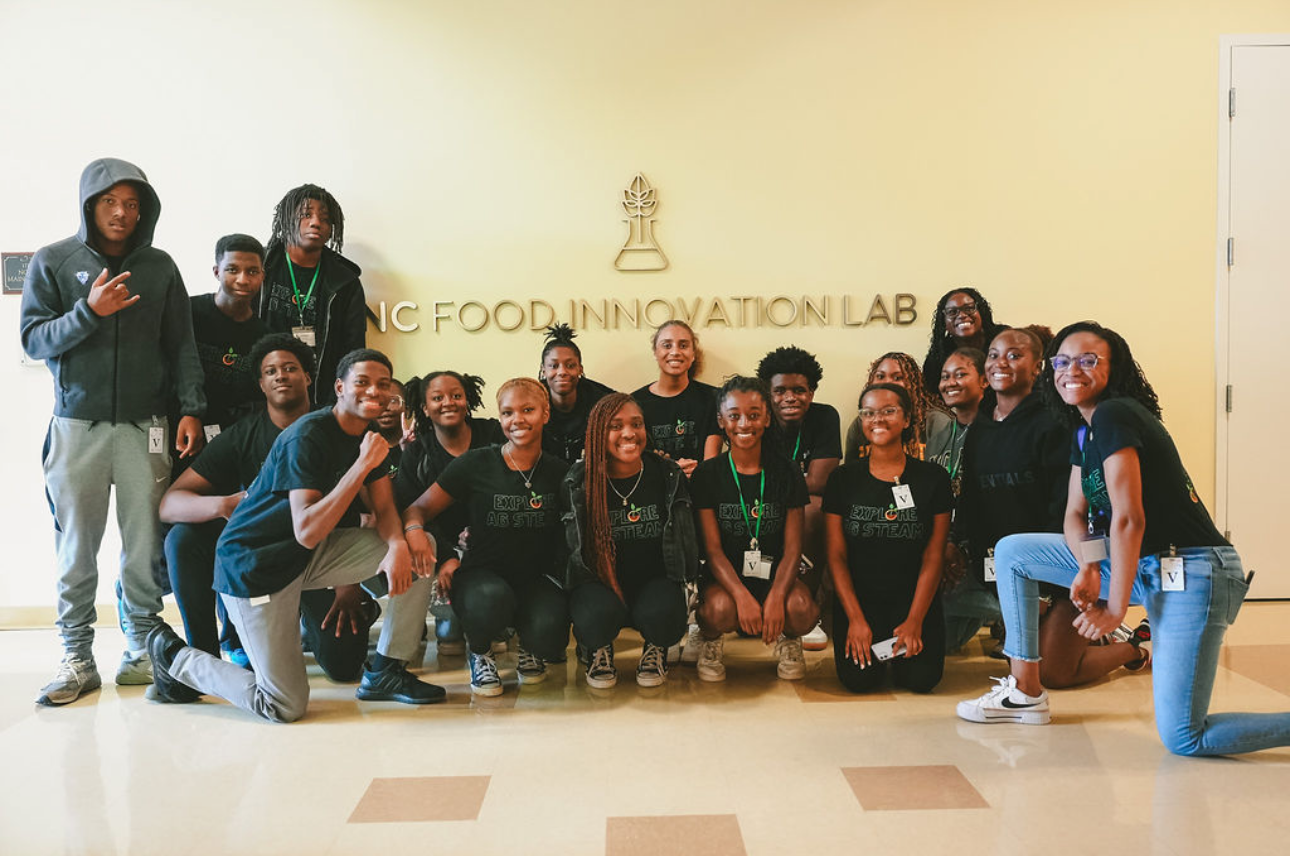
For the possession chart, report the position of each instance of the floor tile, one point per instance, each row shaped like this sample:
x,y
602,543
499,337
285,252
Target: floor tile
x,y
908,788
412,799
676,835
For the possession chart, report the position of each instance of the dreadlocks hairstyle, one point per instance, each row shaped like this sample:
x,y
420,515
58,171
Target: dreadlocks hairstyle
x,y
695,366
1126,379
744,383
286,216
942,343
791,360
598,551
560,336
414,396
920,402
906,403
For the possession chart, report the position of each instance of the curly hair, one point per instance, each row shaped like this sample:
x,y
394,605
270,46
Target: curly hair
x,y
1126,379
921,403
697,365
286,216
598,550
414,396
943,344
271,342
791,360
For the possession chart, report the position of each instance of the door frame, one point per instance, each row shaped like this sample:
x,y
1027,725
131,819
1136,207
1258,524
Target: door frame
x,y
1222,293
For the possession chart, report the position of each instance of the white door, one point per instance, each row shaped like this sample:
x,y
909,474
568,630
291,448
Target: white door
x,y
1254,312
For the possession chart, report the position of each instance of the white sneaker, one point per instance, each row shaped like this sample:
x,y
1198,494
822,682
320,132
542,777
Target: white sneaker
x,y
817,639
1006,703
709,665
792,665
689,654
484,680
532,668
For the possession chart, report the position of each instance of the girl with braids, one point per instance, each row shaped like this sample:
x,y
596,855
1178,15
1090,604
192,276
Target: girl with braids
x,y
1134,530
310,290
572,393
629,529
963,319
750,502
441,404
507,576
679,410
925,414
887,518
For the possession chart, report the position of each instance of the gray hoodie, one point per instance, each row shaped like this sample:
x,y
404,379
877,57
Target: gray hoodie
x,y
128,366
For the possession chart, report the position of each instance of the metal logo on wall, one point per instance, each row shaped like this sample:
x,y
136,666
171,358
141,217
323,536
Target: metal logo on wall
x,y
640,252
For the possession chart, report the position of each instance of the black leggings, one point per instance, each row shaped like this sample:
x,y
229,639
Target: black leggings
x,y
656,609
190,561
488,602
918,674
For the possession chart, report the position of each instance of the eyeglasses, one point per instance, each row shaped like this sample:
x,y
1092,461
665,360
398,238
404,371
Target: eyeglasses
x,y
956,311
867,415
396,402
1087,362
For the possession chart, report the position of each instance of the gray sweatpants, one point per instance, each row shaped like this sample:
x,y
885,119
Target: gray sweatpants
x,y
278,689
84,462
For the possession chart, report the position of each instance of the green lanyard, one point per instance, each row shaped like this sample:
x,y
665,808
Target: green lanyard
x,y
798,444
951,465
300,304
744,507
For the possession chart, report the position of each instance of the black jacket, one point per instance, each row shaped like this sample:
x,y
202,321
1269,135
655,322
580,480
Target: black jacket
x,y
680,543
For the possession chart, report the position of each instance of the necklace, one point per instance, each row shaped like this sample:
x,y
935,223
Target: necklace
x,y
625,496
528,477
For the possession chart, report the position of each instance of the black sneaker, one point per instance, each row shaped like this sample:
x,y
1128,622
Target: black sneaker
x,y
398,684
163,644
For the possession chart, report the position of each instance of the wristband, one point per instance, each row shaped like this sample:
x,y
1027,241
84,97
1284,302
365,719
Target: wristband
x,y
412,526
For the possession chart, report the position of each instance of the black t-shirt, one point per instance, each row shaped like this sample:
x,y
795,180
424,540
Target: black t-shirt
x,y
258,553
637,525
515,530
884,543
232,460
1175,515
224,347
282,312
818,435
565,434
713,486
680,425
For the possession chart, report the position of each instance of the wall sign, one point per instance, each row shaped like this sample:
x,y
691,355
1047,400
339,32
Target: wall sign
x,y
15,270
640,253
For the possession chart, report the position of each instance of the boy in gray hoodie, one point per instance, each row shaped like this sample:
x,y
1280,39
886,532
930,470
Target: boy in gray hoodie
x,y
108,313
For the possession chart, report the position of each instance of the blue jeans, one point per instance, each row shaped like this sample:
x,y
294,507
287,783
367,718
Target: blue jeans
x,y
1187,630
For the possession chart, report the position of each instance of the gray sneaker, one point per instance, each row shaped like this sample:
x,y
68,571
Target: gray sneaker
x,y
134,671
76,676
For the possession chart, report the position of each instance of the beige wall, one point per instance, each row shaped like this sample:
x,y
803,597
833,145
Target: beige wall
x,y
1060,157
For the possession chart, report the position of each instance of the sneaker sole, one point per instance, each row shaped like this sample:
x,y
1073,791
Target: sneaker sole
x,y
133,680
602,683
650,679
790,674
712,677
399,697
814,646
1020,717
486,691
532,678
91,686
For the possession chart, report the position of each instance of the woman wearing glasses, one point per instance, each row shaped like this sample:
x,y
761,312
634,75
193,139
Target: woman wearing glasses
x,y
1135,530
887,518
926,417
963,319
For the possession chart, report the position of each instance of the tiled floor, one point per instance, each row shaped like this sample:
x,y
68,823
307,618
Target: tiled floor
x,y
753,766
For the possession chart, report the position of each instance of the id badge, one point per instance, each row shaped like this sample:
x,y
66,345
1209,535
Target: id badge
x,y
903,495
987,565
1172,576
305,335
156,440
211,431
1094,550
753,565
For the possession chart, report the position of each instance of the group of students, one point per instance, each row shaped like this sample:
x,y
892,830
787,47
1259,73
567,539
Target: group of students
x,y
966,489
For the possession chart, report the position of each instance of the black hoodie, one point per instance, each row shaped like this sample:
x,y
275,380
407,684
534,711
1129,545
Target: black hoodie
x,y
125,367
1016,474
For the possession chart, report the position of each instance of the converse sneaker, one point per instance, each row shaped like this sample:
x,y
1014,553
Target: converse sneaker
x,y
484,680
532,668
709,666
76,676
651,671
134,671
817,639
1006,703
792,666
689,654
601,673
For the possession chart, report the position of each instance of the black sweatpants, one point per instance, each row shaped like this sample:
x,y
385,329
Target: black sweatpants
x,y
918,674
488,602
656,608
